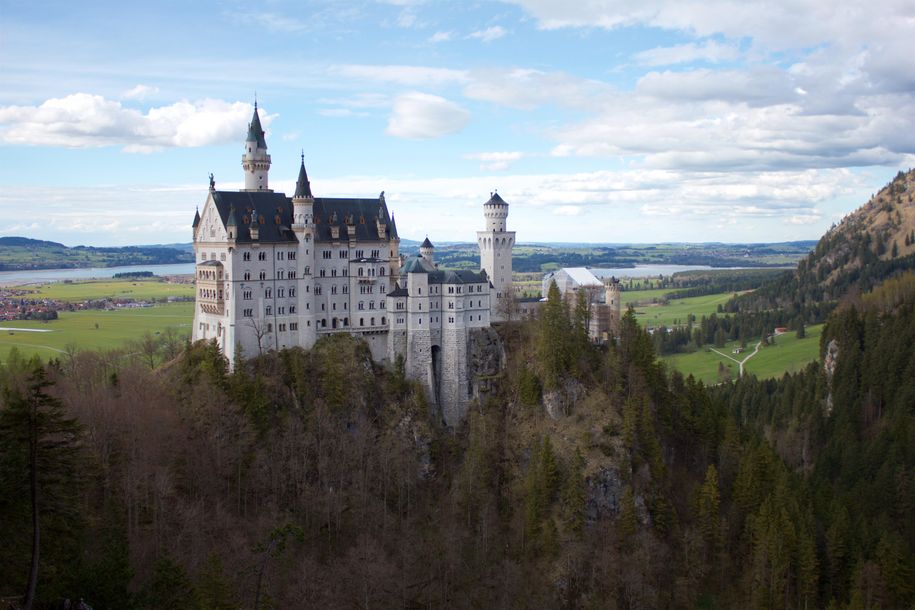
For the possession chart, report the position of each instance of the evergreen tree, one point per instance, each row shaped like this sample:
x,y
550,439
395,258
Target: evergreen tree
x,y
40,461
574,494
170,587
709,511
554,349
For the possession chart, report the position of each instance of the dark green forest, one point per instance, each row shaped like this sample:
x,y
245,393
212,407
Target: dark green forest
x,y
591,478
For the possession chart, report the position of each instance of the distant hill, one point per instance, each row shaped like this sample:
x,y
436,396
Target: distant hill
x,y
27,242
873,243
20,253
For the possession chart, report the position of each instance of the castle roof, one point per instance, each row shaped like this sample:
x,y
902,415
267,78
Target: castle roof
x,y
426,243
359,214
302,185
462,276
398,291
494,199
417,264
196,219
274,214
255,132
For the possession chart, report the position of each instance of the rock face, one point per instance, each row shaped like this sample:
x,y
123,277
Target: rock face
x,y
485,359
829,366
605,488
559,403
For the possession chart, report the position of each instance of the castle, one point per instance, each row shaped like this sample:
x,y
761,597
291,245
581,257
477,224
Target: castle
x,y
275,272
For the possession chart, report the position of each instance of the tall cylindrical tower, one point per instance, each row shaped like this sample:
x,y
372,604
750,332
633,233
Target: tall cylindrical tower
x,y
256,161
496,245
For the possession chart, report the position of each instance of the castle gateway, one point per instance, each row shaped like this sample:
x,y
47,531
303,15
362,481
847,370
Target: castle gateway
x,y
275,272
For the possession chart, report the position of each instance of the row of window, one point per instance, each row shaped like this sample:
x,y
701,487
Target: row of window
x,y
280,311
281,274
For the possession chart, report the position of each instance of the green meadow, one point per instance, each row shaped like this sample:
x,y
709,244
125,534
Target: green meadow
x,y
787,354
140,290
675,311
93,329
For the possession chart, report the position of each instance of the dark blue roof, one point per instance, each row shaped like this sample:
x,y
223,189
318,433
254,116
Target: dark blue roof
x,y
273,212
255,132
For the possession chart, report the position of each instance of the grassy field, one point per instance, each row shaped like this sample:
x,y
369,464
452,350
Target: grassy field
x,y
676,310
93,329
141,290
788,354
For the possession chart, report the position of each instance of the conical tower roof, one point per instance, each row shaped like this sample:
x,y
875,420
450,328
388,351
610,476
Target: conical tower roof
x,y
302,185
426,243
255,131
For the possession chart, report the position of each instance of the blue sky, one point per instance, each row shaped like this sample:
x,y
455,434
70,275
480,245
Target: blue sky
x,y
624,121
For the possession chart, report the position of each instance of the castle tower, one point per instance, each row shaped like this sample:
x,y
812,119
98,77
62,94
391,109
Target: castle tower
x,y
303,227
255,161
427,251
495,245
613,300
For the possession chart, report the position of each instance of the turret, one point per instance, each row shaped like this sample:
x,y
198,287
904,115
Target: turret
x,y
496,255
427,251
496,212
256,161
302,200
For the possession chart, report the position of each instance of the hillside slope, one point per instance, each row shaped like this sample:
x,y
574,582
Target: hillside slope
x,y
17,253
873,243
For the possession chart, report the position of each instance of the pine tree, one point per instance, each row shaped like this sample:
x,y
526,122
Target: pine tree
x,y
553,349
36,433
575,494
213,586
170,587
709,503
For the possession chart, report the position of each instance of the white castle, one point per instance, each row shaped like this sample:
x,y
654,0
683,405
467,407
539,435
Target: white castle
x,y
274,272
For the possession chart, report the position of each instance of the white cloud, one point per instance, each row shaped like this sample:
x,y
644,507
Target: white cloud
x,y
568,210
421,115
790,24
140,92
82,120
272,21
489,34
441,37
411,76
495,161
709,50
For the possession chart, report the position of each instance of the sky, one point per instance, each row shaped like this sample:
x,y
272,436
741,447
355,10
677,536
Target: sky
x,y
627,121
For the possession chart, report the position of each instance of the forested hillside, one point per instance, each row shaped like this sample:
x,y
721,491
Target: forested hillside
x,y
875,242
23,253
594,478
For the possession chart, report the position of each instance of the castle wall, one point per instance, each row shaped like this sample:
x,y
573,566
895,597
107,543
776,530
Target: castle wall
x,y
453,383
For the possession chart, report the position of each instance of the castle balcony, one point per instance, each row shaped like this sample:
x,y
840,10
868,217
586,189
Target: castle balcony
x,y
210,297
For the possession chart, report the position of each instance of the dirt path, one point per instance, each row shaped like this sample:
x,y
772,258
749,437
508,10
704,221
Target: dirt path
x,y
740,363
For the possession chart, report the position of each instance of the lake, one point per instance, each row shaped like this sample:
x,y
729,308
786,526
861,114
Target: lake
x,y
31,276
650,270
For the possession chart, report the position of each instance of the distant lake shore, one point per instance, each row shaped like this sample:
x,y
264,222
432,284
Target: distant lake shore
x,y
37,276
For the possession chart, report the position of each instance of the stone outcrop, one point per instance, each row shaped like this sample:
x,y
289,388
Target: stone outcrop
x,y
829,366
605,488
485,360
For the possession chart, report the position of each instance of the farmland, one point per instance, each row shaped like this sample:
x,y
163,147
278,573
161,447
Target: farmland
x,y
93,329
787,354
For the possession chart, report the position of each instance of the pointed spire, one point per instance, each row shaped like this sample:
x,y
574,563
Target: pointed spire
x,y
393,228
255,131
302,185
196,219
426,243
231,221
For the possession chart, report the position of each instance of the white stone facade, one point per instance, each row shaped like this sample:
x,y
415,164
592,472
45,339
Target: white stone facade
x,y
275,272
